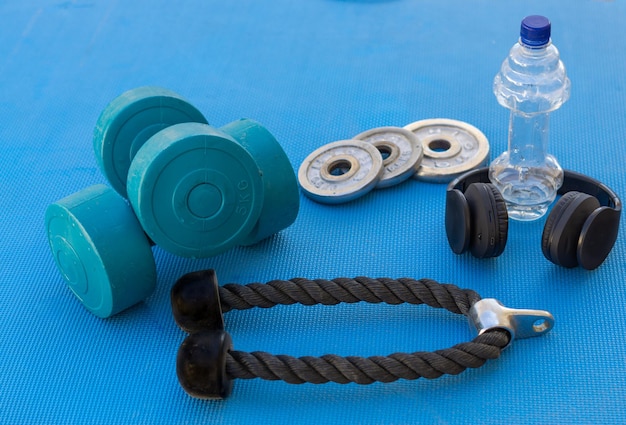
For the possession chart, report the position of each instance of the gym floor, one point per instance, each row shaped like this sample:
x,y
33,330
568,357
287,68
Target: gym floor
x,y
312,72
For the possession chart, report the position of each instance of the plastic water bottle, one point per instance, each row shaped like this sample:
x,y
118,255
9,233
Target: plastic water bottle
x,y
532,82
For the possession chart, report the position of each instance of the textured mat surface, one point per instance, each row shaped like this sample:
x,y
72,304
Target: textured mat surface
x,y
312,72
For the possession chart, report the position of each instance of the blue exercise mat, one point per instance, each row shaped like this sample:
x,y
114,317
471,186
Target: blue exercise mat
x,y
312,72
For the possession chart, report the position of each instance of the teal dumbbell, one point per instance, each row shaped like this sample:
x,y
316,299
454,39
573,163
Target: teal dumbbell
x,y
196,191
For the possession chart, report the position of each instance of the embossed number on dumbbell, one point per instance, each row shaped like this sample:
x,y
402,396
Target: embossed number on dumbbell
x,y
245,198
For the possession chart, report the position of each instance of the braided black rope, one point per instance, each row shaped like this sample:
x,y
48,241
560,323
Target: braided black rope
x,y
330,292
360,370
366,370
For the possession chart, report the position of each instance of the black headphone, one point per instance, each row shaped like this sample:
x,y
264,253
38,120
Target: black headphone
x,y
580,230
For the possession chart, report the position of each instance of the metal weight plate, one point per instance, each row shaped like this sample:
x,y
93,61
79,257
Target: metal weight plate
x,y
340,171
451,148
129,121
401,150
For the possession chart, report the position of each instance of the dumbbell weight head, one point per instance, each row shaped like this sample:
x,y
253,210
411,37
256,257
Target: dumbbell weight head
x,y
196,191
101,250
282,199
128,121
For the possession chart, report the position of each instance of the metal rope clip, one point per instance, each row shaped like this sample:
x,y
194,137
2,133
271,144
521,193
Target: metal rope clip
x,y
489,313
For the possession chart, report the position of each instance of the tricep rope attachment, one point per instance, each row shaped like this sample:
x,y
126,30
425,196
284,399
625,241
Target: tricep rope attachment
x,y
207,364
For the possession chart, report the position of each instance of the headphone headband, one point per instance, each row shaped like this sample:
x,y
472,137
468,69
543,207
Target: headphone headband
x,y
572,181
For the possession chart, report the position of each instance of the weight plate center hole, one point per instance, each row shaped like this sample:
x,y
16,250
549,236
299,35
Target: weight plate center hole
x,y
388,151
439,145
441,148
340,168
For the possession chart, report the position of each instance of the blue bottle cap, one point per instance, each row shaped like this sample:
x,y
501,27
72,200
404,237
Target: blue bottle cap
x,y
535,31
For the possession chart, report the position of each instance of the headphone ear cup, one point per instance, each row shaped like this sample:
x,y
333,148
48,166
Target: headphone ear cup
x,y
553,217
562,231
457,221
597,237
489,220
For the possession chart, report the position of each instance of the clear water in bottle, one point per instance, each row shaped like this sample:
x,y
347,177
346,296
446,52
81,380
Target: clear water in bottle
x,y
532,83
